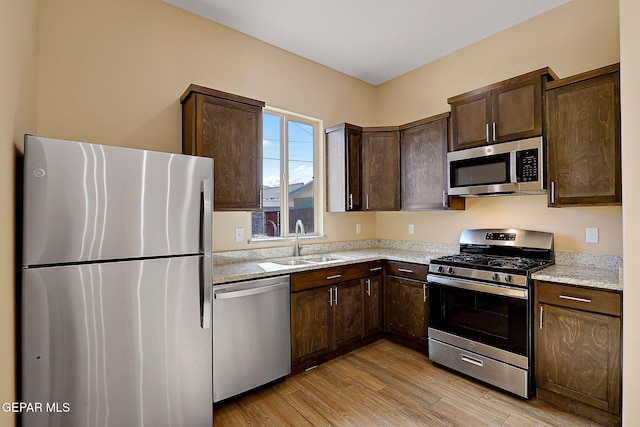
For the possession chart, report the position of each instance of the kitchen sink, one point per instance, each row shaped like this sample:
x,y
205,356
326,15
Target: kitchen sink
x,y
295,261
323,258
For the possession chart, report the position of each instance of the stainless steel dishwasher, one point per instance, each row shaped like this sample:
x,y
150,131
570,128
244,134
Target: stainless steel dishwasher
x,y
251,335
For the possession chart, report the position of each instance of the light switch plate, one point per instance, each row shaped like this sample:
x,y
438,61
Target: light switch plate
x,y
358,229
592,235
411,229
239,234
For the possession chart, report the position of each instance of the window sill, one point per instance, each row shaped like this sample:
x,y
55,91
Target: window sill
x,y
288,239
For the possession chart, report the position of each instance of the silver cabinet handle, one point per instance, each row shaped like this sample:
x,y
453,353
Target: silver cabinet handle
x,y
336,295
541,312
424,292
494,131
350,201
553,192
330,296
375,269
472,360
260,195
574,298
487,132
335,276
367,202
405,270
368,287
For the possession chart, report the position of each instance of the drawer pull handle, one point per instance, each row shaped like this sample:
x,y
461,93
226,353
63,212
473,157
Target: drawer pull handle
x,y
424,292
472,360
541,314
330,296
375,269
368,287
574,298
405,270
335,276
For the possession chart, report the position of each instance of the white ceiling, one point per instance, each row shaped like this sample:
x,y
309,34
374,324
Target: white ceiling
x,y
371,40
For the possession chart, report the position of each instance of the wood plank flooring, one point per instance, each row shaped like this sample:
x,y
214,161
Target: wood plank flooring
x,y
384,384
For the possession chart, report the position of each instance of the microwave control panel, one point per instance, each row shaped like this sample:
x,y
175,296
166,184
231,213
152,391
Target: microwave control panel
x,y
527,165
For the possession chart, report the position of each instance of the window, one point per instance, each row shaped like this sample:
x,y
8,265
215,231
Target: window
x,y
289,167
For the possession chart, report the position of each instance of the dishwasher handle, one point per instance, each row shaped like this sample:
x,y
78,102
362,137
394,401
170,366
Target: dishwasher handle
x,y
223,294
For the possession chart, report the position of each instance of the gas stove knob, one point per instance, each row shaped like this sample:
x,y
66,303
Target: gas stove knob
x,y
508,278
495,277
440,269
450,270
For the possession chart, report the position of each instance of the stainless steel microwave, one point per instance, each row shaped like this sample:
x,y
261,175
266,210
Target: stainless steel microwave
x,y
516,167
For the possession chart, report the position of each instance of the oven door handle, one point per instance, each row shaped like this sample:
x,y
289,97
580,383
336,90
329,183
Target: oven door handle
x,y
480,287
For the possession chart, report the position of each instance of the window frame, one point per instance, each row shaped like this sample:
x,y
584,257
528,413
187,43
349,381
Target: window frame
x,y
318,174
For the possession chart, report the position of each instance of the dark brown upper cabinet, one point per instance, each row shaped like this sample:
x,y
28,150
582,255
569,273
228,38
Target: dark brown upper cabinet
x,y
423,165
381,169
344,168
505,111
227,128
583,121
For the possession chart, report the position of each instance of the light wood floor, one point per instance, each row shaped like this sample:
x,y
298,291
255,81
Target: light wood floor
x,y
384,384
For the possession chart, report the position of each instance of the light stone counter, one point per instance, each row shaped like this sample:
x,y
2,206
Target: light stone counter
x,y
595,271
602,278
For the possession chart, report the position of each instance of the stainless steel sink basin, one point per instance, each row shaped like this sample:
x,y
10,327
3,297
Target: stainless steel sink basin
x,y
295,261
323,258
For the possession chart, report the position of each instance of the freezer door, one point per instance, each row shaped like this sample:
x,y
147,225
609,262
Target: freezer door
x,y
86,202
116,344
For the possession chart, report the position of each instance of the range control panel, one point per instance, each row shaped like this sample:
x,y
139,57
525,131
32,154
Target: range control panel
x,y
506,237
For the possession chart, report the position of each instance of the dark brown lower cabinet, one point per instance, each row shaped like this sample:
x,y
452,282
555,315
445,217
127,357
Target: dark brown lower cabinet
x,y
372,289
328,314
578,342
406,306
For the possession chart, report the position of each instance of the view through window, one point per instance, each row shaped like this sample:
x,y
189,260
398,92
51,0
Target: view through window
x,y
289,169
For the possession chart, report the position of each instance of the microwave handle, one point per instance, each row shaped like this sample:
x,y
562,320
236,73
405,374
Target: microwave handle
x,y
514,167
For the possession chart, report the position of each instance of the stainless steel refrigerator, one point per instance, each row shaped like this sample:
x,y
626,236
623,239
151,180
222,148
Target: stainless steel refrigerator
x,y
116,286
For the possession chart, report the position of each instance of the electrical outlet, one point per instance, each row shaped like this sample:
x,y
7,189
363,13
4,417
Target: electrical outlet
x,y
411,229
358,229
592,235
239,234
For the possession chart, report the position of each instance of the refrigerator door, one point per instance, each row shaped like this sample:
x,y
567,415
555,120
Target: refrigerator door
x,y
117,344
88,202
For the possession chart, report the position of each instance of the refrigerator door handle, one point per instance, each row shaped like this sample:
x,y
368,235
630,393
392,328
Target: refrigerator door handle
x,y
207,261
207,216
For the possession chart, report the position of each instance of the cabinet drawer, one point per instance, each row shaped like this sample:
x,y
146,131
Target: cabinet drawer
x,y
371,268
595,300
409,270
325,276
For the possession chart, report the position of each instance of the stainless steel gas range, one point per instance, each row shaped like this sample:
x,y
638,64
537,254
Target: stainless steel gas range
x,y
481,305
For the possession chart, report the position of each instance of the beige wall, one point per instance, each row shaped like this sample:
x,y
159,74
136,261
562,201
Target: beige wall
x,y
630,100
112,72
576,37
17,117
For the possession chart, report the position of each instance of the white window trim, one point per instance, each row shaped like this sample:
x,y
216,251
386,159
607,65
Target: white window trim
x,y
318,175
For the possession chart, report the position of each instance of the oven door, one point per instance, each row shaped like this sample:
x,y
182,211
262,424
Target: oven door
x,y
496,316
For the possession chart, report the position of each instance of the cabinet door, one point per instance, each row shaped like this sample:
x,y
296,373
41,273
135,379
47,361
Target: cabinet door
x,y
578,356
232,136
470,120
310,323
372,307
584,143
406,308
344,147
347,306
517,110
381,170
423,166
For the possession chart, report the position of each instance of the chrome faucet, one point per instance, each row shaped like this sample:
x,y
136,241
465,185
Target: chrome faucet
x,y
299,226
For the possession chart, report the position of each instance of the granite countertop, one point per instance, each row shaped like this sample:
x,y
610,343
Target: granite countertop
x,y
247,270
601,278
575,269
